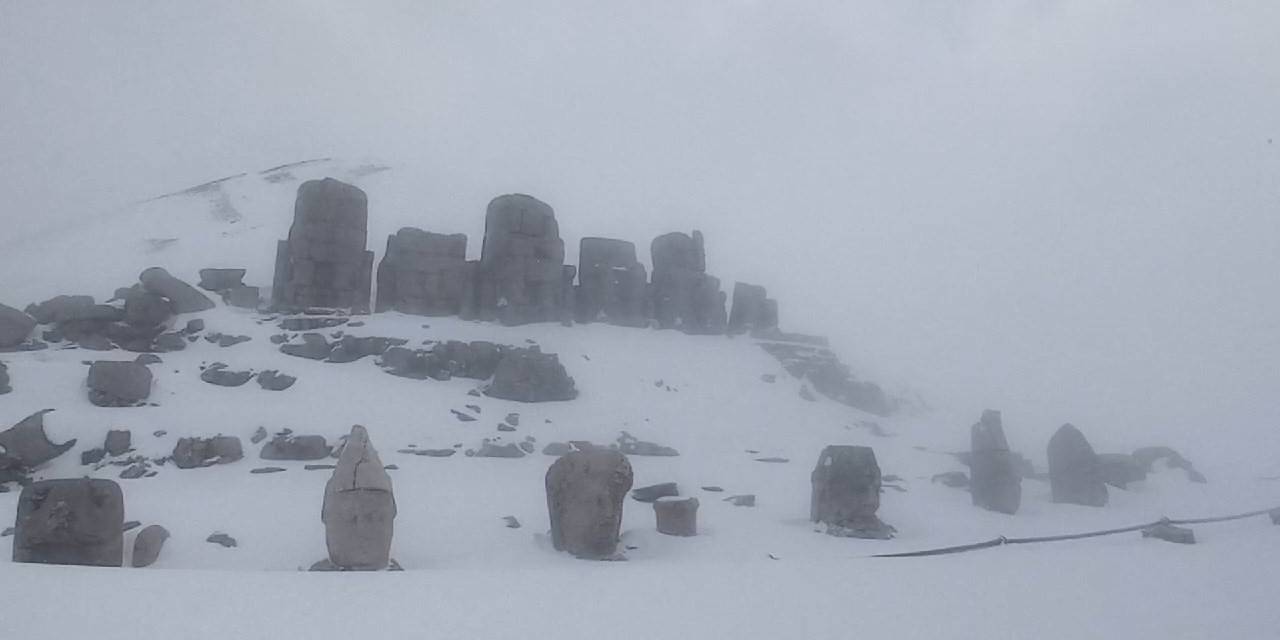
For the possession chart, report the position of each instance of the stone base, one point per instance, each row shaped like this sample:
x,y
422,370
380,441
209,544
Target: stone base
x,y
873,529
328,565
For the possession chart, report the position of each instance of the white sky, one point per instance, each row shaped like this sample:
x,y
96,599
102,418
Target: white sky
x,y
1067,210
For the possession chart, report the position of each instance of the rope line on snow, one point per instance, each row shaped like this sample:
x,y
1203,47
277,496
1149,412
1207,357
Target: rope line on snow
x,y
1002,540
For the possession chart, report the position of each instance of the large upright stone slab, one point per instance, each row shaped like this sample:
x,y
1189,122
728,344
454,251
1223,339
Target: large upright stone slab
x,y
424,273
70,521
684,296
585,493
753,309
1074,473
324,262
359,508
520,277
846,493
995,482
15,326
613,285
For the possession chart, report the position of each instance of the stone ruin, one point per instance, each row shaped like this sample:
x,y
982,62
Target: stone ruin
x,y
676,516
846,493
996,483
522,276
1074,473
585,493
70,521
324,262
684,296
27,445
359,509
613,285
426,274
753,310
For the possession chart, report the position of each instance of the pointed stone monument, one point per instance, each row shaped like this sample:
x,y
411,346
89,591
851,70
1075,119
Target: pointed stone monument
x,y
359,508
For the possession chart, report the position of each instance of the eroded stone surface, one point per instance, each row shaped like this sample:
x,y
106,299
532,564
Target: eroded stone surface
x,y
585,494
425,273
147,545
995,482
846,492
118,384
359,507
1074,473
612,283
528,375
521,275
324,262
27,443
70,521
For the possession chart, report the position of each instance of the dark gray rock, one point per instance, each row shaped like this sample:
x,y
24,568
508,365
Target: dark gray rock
x,y
1074,473
528,375
27,443
846,493
1170,533
1275,516
462,417
167,342
191,453
425,273
243,297
146,309
266,470
684,296
1120,469
224,340
359,507
4,379
774,460
194,325
118,384
129,525
222,539
135,471
118,442
148,359
351,348
996,484
753,310
92,456
273,380
70,521
60,309
324,262
220,279
585,492
290,447
557,449
15,326
511,521
713,489
183,297
612,285
259,435
314,347
147,545
521,275
513,419
677,516
653,492
218,374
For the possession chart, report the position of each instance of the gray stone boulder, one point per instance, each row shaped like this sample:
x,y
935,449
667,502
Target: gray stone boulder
x,y
753,310
118,384
70,521
146,309
585,493
528,375
1120,469
995,482
1074,473
183,297
324,262
521,275
15,327
291,447
425,273
192,453
846,493
677,516
359,508
147,545
27,443
684,297
613,284
217,280
118,442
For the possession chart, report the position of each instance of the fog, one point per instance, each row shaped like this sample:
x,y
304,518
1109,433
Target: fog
x,y
1068,211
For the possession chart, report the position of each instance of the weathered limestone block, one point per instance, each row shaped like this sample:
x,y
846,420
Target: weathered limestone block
x,y
613,284
684,296
521,277
70,521
677,516
585,493
846,492
753,309
528,375
359,508
424,273
1074,474
118,384
27,442
147,545
183,297
15,326
324,262
995,482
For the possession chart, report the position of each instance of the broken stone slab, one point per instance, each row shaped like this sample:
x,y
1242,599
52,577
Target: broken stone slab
x,y
222,539
148,359
184,297
613,284
744,500
118,442
359,507
133,472
585,493
118,384
146,309
528,375
290,447
677,516
15,326
258,435
996,483
632,446
27,442
147,545
511,521
1120,469
493,450
846,492
1170,533
652,492
217,374
557,448
220,279
1074,474
273,380
92,456
192,453
266,470
70,521
59,308
314,347
424,273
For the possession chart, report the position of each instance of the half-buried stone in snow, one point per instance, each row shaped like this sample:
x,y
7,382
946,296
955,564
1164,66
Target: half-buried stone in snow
x,y
118,384
273,380
192,453
1170,533
184,297
652,493
1074,473
118,442
677,516
290,447
147,545
27,442
585,492
218,374
528,375
70,521
15,326
995,482
359,508
220,279
314,347
846,493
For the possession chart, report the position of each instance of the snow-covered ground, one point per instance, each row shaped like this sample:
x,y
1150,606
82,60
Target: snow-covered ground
x,y
751,572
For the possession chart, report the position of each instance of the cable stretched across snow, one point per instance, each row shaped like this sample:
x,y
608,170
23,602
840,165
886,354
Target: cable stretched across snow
x,y
1002,540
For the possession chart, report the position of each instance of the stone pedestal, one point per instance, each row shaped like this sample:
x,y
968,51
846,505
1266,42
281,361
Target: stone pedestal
x,y
677,516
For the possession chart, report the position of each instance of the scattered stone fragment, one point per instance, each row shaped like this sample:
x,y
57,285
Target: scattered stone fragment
x,y
493,450
319,467
8,531
677,516
225,340
183,297
502,426
462,417
4,379
359,508
135,471
118,384
632,446
1170,533
273,380
147,359
218,374
585,492
291,447
713,488
259,435
15,326
511,521
147,545
243,297
1074,476
194,325
528,375
311,323
262,470
222,539
146,309
513,419
220,279
653,492
745,500
70,521
159,433
118,442
846,493
27,443
557,448
191,453
314,347
129,526
92,456
1120,469
953,479
1275,516
773,459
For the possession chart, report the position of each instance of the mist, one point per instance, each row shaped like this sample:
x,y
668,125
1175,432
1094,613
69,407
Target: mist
x,y
1067,211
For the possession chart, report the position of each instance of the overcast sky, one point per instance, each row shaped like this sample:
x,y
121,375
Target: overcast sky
x,y
1067,210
